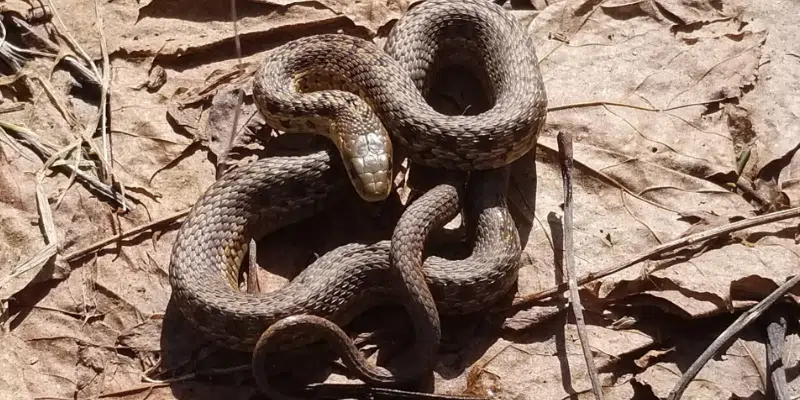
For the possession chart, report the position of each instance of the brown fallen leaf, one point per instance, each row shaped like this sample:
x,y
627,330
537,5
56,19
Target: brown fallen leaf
x,y
651,357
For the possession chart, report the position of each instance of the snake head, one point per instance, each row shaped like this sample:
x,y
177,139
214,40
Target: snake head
x,y
366,150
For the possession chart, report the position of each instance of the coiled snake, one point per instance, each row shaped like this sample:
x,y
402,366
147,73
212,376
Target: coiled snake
x,y
357,95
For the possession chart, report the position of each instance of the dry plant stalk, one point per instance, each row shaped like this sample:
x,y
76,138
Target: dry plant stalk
x,y
568,260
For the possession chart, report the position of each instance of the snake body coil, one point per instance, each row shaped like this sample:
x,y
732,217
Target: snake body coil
x,y
268,194
351,91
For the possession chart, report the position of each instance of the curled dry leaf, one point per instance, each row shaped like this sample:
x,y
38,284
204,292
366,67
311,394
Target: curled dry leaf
x,y
157,78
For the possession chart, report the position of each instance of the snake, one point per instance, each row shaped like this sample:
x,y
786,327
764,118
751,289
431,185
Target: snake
x,y
361,97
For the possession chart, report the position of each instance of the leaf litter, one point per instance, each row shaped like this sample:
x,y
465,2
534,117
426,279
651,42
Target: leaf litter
x,y
663,98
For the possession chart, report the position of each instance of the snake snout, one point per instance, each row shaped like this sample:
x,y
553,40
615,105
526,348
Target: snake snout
x,y
371,174
371,187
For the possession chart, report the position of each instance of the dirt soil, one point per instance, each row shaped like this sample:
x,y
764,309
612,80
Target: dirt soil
x,y
685,117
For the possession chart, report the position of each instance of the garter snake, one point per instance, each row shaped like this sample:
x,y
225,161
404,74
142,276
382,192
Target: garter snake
x,y
357,95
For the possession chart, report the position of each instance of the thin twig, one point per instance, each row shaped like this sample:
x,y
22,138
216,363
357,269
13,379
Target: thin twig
x,y
669,246
635,107
102,243
743,321
127,392
599,103
253,284
202,373
356,390
568,259
236,40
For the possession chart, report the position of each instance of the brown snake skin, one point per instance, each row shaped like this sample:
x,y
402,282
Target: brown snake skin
x,y
361,94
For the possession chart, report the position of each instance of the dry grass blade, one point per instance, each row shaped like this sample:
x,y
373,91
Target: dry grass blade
x,y
8,140
45,213
12,108
346,390
75,167
632,106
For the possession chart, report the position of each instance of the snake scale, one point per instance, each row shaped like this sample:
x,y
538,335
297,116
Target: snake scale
x,y
360,97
